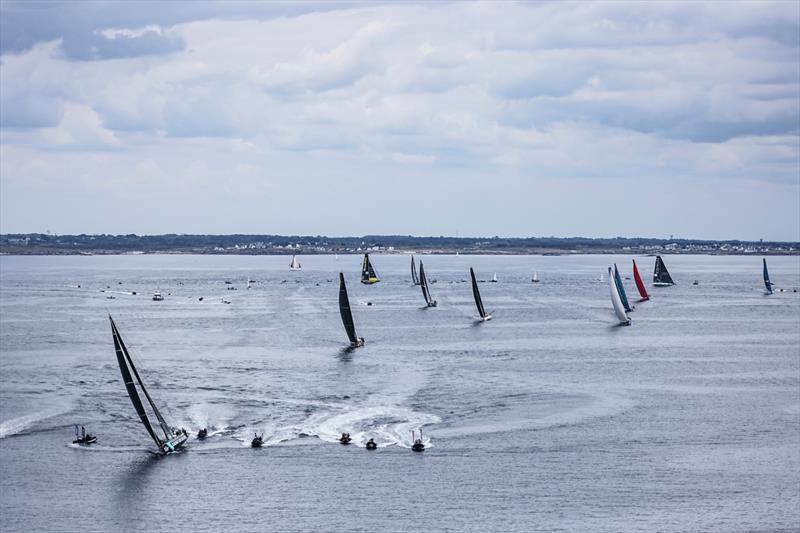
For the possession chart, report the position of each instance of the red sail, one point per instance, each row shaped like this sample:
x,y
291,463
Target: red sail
x,y
640,283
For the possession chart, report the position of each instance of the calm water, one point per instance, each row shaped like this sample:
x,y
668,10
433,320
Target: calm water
x,y
546,418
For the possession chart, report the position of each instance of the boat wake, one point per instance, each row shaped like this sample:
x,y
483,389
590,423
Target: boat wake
x,y
21,424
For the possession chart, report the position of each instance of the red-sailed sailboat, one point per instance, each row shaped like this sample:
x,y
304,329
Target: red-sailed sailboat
x,y
640,283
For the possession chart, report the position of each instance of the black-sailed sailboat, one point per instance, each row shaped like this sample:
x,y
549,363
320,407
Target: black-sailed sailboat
x,y
347,315
368,274
767,282
661,277
621,288
423,282
414,278
173,439
483,315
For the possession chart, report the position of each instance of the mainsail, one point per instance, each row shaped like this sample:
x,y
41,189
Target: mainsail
x,y
125,367
344,309
423,282
639,283
295,263
616,301
661,277
767,282
368,274
477,294
621,290
414,277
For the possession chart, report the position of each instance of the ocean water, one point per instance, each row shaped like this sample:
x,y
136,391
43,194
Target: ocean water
x,y
547,418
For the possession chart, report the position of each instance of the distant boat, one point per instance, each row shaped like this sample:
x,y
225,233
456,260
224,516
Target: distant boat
x,y
81,437
414,277
535,278
173,440
661,277
418,445
295,265
157,296
640,283
616,301
484,316
494,278
347,315
248,283
368,274
601,280
423,282
621,290
767,282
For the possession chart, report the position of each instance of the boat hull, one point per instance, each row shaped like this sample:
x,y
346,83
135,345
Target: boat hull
x,y
174,444
662,284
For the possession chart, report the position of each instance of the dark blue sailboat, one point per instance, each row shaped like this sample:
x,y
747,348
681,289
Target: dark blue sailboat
x,y
423,282
347,315
414,278
621,289
767,282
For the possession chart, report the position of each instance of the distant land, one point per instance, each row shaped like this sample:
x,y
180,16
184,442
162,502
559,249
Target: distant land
x,y
47,244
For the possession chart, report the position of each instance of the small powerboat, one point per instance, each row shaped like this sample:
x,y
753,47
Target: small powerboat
x,y
371,445
418,446
82,437
202,434
345,438
157,297
258,441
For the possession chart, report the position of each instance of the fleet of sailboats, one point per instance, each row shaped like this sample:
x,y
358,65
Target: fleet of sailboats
x,y
423,282
661,277
482,314
347,315
368,275
173,439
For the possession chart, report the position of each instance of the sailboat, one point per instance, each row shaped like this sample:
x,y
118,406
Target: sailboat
x,y
494,278
414,277
347,315
535,278
767,282
661,277
295,265
484,316
423,282
621,290
368,274
639,283
616,301
173,440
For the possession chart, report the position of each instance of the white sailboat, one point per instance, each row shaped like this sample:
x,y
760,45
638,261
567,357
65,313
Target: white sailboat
x,y
494,278
535,278
295,263
619,309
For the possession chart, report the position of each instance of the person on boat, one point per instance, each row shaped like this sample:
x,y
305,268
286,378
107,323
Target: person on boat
x,y
371,445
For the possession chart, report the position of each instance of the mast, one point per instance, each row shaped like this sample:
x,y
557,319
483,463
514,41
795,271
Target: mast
x,y
616,301
639,283
477,294
414,277
423,283
621,290
767,282
344,310
120,349
661,276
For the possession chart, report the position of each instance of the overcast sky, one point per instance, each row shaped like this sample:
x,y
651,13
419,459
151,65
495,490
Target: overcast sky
x,y
529,119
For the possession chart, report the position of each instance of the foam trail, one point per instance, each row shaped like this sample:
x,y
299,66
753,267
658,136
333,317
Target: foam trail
x,y
388,425
16,426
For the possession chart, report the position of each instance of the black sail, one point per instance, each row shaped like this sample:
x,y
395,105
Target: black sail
x,y
423,282
119,347
661,275
477,294
344,309
414,277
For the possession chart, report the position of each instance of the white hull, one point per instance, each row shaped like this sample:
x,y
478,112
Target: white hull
x,y
483,319
661,284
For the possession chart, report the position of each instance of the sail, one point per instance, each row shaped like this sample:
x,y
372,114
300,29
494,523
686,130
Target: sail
x,y
660,274
616,301
477,294
423,282
639,282
295,263
119,347
414,277
767,282
368,274
344,309
621,290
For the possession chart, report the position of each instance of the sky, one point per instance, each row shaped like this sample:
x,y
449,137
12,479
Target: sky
x,y
595,119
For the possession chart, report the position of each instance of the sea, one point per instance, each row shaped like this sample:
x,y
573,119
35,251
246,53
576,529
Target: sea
x,y
549,417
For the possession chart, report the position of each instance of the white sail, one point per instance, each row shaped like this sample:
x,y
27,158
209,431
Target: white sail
x,y
295,263
617,301
535,277
494,278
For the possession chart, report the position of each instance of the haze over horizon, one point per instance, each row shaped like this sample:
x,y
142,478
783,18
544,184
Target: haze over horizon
x,y
589,119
